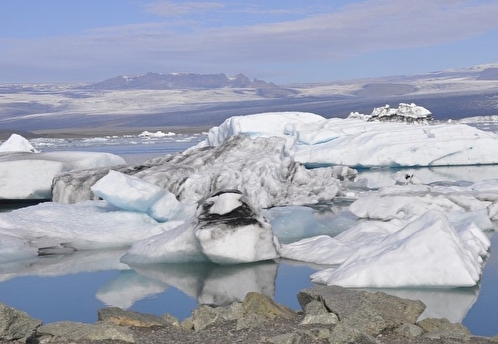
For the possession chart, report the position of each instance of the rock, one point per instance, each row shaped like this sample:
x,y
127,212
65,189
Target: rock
x,y
371,313
71,331
316,313
233,311
15,324
409,330
171,320
122,317
231,231
443,328
343,334
204,316
287,338
316,333
187,324
251,320
264,305
324,319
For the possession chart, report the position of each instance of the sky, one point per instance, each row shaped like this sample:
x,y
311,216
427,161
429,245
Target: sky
x,y
283,41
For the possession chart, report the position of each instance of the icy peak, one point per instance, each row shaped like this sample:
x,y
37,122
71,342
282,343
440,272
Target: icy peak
x,y
17,143
409,113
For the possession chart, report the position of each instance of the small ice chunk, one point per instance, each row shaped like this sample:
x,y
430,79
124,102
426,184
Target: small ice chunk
x,y
127,192
17,143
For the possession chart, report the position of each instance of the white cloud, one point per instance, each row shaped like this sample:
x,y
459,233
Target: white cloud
x,y
171,8
361,27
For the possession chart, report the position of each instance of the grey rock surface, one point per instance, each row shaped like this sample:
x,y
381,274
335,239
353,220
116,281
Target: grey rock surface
x,y
127,318
371,313
67,331
15,324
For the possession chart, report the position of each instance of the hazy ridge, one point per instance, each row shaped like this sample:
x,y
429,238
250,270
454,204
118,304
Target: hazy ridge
x,y
187,99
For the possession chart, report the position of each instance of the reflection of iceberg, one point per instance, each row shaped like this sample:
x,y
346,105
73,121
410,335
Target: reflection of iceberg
x,y
214,284
452,304
127,288
58,265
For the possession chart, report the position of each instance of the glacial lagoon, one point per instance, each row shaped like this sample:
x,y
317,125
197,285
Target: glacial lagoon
x,y
74,286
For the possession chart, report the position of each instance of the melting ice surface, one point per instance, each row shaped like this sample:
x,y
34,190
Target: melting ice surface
x,y
380,208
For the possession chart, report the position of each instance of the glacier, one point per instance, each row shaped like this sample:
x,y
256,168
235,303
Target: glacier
x,y
245,193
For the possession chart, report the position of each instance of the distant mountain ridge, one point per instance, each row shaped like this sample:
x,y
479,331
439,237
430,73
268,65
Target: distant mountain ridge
x,y
158,81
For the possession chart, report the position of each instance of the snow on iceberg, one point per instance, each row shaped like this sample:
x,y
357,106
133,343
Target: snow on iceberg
x,y
426,253
28,174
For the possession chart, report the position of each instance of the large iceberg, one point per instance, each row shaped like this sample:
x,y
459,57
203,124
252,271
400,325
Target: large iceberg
x,y
427,252
354,142
256,167
26,173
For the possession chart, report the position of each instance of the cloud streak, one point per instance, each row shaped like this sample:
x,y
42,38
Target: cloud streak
x,y
358,28
171,8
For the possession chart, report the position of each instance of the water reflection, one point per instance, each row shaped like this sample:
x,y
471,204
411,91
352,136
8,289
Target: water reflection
x,y
452,304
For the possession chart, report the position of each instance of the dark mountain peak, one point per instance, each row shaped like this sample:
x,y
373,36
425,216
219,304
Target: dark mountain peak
x,y
158,81
488,74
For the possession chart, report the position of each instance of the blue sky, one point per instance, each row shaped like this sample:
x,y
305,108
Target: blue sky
x,y
284,41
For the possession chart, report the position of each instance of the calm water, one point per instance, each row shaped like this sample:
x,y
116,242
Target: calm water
x,y
74,287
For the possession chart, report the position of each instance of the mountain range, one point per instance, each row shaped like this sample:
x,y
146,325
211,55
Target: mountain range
x,y
157,100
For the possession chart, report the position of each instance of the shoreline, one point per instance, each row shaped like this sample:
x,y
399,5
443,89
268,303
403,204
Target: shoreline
x,y
329,314
100,131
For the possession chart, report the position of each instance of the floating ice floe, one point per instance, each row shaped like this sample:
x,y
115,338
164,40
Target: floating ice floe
x,y
27,174
156,134
17,143
409,113
425,253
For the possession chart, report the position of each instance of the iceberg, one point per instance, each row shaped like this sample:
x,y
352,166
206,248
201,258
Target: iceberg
x,y
17,143
357,142
426,253
226,230
256,167
231,198
27,174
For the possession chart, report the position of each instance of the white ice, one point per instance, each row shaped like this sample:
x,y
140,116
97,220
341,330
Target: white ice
x,y
219,233
426,253
408,234
354,142
27,174
17,143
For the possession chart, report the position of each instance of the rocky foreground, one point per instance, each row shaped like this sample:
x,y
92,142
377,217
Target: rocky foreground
x,y
330,315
